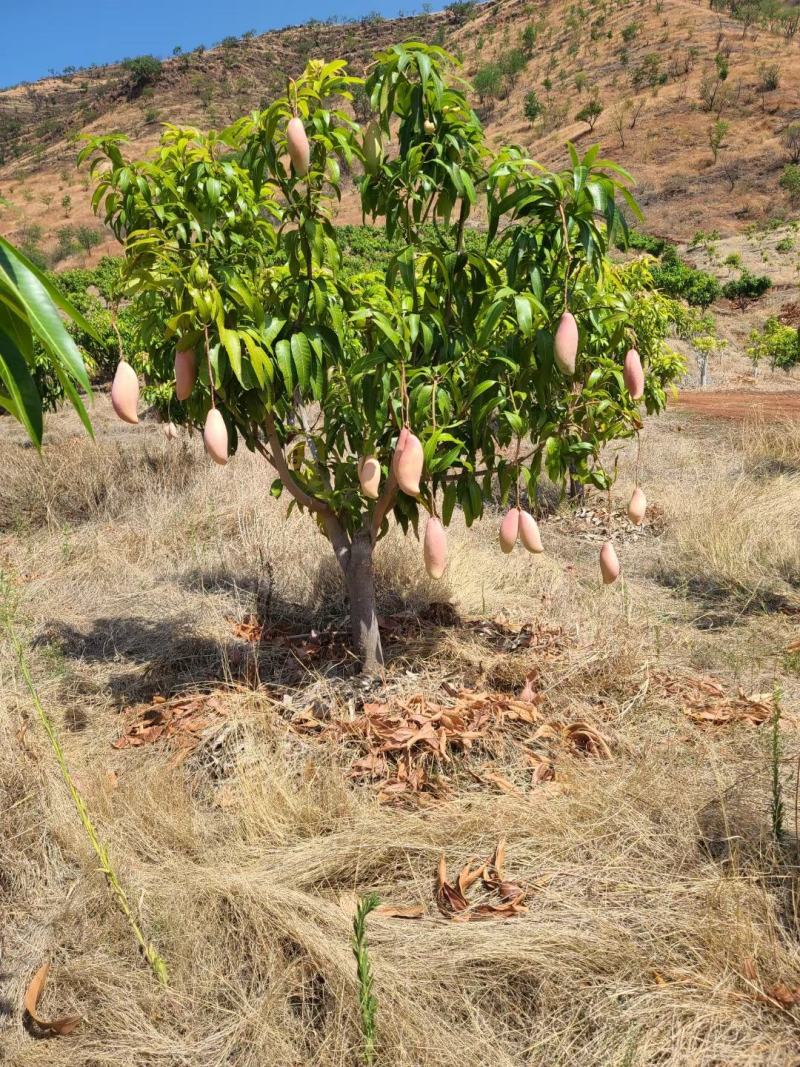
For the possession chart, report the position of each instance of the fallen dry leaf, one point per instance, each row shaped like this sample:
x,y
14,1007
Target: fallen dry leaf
x,y
409,749
182,721
60,1027
586,739
705,701
389,911
452,900
786,997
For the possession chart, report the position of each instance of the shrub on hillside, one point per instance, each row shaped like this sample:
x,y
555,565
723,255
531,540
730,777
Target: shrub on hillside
x,y
590,113
791,141
746,287
142,71
488,82
641,242
775,344
676,279
790,181
533,106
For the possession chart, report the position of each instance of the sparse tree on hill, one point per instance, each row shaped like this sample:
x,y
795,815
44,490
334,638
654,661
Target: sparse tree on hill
x,y
488,82
716,136
791,141
533,106
590,113
637,107
142,71
619,116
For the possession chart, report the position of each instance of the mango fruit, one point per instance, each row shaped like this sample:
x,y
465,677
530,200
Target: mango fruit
x,y
633,375
637,506
125,393
529,532
435,548
609,563
185,373
170,431
509,529
215,437
369,477
565,344
299,148
408,462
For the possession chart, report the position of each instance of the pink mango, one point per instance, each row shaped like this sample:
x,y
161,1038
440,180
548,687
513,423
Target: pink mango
x,y
565,344
435,548
609,563
299,148
637,507
369,476
408,464
185,373
509,529
215,437
529,532
125,393
633,375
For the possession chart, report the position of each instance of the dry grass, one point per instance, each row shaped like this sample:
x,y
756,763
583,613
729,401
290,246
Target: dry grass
x,y
737,536
659,917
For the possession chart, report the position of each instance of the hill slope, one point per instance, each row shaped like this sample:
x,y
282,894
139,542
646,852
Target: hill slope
x,y
649,66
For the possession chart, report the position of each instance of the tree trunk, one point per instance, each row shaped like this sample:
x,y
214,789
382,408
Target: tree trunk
x,y
360,579
704,372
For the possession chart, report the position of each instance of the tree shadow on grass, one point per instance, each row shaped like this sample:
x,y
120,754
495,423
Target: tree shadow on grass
x,y
273,641
723,606
142,656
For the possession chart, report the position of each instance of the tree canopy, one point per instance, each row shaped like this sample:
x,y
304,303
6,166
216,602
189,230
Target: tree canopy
x,y
232,254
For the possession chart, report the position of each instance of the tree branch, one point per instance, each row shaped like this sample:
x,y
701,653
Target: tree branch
x,y
339,540
383,506
278,461
335,532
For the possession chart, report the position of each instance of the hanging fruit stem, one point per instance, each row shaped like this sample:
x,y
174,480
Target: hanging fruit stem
x,y
405,404
210,371
565,230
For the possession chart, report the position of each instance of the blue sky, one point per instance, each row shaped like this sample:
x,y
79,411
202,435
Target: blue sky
x,y
37,35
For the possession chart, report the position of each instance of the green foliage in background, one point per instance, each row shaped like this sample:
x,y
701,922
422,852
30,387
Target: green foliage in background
x,y
776,344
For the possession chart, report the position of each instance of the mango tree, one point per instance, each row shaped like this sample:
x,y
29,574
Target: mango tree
x,y
455,374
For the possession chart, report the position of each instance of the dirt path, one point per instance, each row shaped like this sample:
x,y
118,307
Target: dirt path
x,y
740,404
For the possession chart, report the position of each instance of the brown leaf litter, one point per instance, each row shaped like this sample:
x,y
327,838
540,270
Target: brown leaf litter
x,y
704,700
776,994
182,721
57,1027
306,646
596,524
452,899
408,749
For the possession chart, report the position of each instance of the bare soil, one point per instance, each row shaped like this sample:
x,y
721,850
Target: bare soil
x,y
739,404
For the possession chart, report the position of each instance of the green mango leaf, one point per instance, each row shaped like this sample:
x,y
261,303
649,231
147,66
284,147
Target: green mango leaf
x,y
301,354
18,380
283,354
